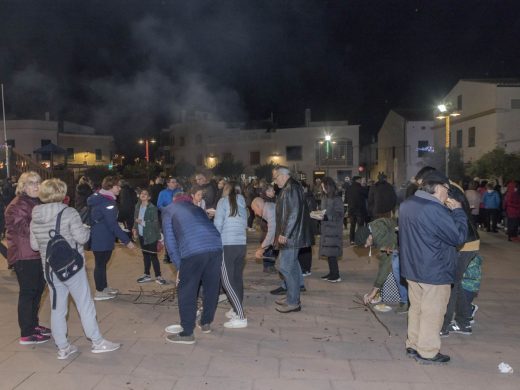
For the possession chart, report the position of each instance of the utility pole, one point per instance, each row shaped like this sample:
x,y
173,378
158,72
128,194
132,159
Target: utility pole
x,y
8,173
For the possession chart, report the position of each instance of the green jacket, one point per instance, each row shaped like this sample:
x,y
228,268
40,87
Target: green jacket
x,y
384,237
151,230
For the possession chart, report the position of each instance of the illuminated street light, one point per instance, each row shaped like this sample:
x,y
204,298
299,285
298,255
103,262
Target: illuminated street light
x,y
445,113
328,137
147,143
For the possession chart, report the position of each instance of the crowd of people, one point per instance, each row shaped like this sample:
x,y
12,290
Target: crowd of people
x,y
430,252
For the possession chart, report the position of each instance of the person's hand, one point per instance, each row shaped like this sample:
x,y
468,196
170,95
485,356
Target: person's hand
x,y
282,240
130,245
367,298
259,253
452,204
139,221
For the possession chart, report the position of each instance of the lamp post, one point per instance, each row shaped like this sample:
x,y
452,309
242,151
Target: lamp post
x,y
446,113
147,143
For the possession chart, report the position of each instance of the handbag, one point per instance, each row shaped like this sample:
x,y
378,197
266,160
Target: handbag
x,y
390,290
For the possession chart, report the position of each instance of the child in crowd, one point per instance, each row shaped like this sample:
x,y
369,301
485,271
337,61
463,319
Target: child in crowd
x,y
471,283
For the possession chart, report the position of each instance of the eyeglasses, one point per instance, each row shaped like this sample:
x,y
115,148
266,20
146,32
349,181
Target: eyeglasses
x,y
32,183
446,186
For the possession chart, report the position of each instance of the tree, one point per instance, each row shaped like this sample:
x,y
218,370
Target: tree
x,y
97,173
183,169
265,171
229,168
497,164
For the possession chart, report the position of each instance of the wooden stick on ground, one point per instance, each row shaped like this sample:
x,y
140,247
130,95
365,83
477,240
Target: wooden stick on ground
x,y
359,301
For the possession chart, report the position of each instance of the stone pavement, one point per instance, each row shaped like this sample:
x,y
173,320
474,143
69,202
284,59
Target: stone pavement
x,y
330,344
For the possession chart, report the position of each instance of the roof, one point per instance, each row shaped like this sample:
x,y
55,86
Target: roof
x,y
415,114
505,82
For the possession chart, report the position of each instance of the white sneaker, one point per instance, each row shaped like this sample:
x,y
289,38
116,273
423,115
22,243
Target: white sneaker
x,y
105,346
173,329
103,296
230,314
110,290
65,353
236,323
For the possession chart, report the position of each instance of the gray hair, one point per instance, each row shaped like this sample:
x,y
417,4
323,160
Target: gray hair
x,y
283,170
429,187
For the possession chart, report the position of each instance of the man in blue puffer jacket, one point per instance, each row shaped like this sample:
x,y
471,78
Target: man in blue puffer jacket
x,y
431,226
491,200
195,247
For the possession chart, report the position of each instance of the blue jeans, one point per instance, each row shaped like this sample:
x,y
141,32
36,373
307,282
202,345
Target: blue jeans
x,y
401,282
292,274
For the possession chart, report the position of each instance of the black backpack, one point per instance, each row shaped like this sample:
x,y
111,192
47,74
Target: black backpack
x,y
61,259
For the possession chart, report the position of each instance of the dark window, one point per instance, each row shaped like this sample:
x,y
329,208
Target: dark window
x,y
227,156
198,139
200,160
254,158
515,103
293,153
70,153
459,102
471,137
422,148
459,138
45,142
99,154
11,143
182,141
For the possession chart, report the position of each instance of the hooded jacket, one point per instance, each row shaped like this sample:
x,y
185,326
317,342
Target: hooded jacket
x,y
104,226
71,228
331,240
17,219
429,233
232,229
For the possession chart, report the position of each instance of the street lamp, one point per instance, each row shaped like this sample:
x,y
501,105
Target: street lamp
x,y
445,113
146,142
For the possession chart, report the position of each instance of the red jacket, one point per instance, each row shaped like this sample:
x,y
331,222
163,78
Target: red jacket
x,y
18,216
512,201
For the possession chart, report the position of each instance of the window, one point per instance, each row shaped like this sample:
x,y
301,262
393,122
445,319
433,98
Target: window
x,y
45,142
70,153
99,154
227,156
459,138
422,148
459,102
293,153
515,104
182,141
198,139
11,143
471,137
200,160
254,158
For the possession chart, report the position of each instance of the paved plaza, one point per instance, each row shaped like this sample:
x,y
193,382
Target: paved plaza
x,y
333,343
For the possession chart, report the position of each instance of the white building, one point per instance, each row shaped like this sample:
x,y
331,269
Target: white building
x,y
489,117
404,142
83,145
318,149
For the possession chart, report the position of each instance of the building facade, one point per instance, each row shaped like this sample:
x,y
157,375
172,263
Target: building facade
x,y
84,147
318,149
489,117
405,141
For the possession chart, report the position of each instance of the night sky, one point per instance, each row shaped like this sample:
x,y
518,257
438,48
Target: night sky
x,y
128,67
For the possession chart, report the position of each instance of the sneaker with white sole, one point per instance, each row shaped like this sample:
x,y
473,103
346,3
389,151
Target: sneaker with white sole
x,y
110,290
236,323
103,296
160,280
34,339
230,313
105,346
144,279
173,329
179,339
65,353
456,328
206,328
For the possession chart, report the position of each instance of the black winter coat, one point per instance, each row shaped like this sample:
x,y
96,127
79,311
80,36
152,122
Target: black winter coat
x,y
356,198
381,198
331,239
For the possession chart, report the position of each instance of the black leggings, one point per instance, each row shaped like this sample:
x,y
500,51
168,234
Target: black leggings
x,y
150,258
100,270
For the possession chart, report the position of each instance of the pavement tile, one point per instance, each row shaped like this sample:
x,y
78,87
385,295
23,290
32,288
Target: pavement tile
x,y
356,385
12,379
60,381
117,362
292,384
248,367
292,348
356,350
381,370
130,382
208,382
227,346
302,368
40,362
179,363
